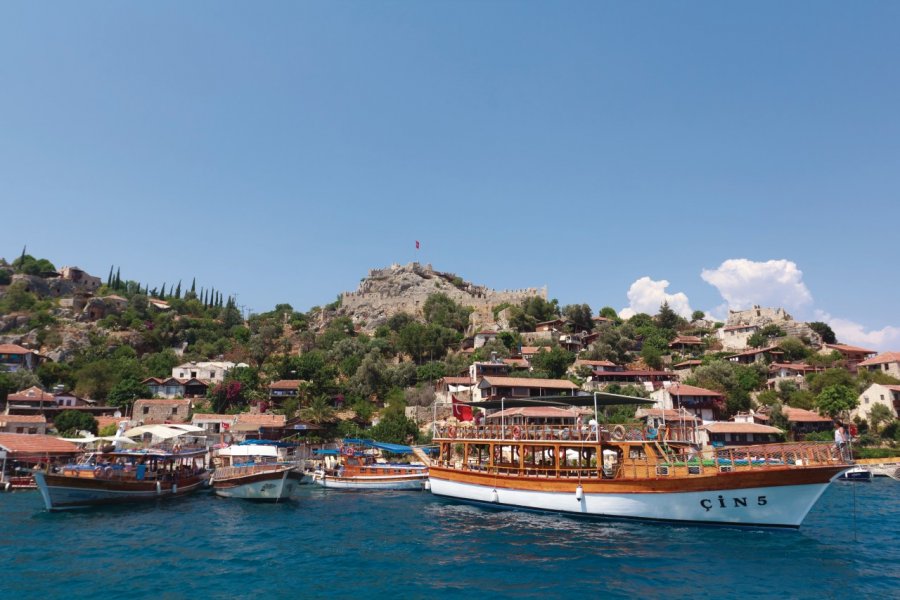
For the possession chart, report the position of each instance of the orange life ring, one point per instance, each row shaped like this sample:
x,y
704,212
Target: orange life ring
x,y
517,432
618,433
451,431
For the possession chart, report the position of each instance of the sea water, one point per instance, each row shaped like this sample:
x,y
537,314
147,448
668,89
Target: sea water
x,y
347,544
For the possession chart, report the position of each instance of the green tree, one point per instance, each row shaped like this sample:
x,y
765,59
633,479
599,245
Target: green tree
x,y
440,309
830,377
318,412
824,330
794,349
394,426
30,265
667,318
554,362
580,316
698,315
608,312
878,414
836,399
126,391
69,422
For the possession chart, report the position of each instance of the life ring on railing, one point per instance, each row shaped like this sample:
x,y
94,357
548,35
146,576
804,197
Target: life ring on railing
x,y
347,451
618,433
517,432
451,431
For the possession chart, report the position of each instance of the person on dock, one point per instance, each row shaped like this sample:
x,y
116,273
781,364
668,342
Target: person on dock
x,y
840,439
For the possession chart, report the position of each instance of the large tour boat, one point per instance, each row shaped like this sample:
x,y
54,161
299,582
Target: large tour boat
x,y
354,466
127,475
627,471
253,471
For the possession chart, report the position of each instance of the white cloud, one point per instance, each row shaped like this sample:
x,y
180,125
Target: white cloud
x,y
646,296
850,332
744,282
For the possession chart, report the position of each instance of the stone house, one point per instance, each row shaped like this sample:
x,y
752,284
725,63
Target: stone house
x,y
15,358
886,362
757,355
886,395
483,337
176,388
211,371
802,421
161,410
283,389
31,424
81,279
687,344
700,402
494,388
851,355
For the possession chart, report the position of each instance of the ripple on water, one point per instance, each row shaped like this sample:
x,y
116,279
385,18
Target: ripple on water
x,y
328,543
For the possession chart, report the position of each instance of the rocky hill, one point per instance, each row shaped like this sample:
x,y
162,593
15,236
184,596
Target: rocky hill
x,y
404,288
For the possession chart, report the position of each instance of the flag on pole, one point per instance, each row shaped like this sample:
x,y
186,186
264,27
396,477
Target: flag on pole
x,y
417,244
461,411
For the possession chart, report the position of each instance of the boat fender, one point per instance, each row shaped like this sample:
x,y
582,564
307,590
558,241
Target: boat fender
x,y
495,497
158,488
174,488
618,432
517,432
427,485
579,493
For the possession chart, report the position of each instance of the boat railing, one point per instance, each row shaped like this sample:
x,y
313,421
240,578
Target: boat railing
x,y
587,433
226,472
683,464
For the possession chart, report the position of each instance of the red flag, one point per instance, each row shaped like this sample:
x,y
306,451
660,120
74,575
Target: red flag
x,y
461,411
417,244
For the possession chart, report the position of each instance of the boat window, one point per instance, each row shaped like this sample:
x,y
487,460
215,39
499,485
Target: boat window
x,y
636,452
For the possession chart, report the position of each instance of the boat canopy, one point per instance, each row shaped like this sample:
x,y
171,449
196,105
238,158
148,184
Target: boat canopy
x,y
276,443
393,448
250,450
163,432
589,400
91,439
326,452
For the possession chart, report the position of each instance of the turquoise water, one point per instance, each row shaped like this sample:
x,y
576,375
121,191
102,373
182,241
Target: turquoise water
x,y
341,544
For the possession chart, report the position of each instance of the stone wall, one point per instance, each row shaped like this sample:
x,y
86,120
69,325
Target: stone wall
x,y
405,288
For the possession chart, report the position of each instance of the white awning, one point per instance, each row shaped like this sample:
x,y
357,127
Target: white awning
x,y
250,450
163,432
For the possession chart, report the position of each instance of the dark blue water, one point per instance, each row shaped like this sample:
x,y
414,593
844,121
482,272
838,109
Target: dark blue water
x,y
412,545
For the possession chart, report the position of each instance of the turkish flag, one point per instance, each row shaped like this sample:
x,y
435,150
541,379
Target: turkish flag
x,y
461,411
226,426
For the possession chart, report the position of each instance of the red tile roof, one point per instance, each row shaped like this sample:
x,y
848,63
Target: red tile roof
x,y
103,421
680,389
163,402
32,393
285,384
594,363
515,362
261,419
528,382
4,419
884,357
731,427
846,348
13,349
531,349
20,444
754,351
214,417
456,380
688,363
800,415
687,340
668,414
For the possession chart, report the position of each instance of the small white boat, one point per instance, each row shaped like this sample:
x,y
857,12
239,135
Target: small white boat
x,y
253,472
358,469
856,473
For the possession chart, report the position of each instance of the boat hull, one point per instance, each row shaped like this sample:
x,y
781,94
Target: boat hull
x,y
61,492
270,486
407,482
747,501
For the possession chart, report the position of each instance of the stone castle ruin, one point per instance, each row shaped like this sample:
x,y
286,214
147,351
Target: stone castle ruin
x,y
742,324
404,288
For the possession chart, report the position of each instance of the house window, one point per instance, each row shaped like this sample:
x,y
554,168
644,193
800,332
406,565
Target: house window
x,y
174,410
193,374
20,430
866,398
212,374
146,410
32,430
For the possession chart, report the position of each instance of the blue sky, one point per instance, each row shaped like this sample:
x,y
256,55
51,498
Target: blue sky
x,y
740,152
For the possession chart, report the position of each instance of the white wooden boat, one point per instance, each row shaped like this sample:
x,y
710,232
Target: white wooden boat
x,y
630,475
253,472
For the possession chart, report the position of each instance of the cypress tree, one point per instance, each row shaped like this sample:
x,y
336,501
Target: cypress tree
x,y
178,290
109,279
194,286
118,279
162,293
